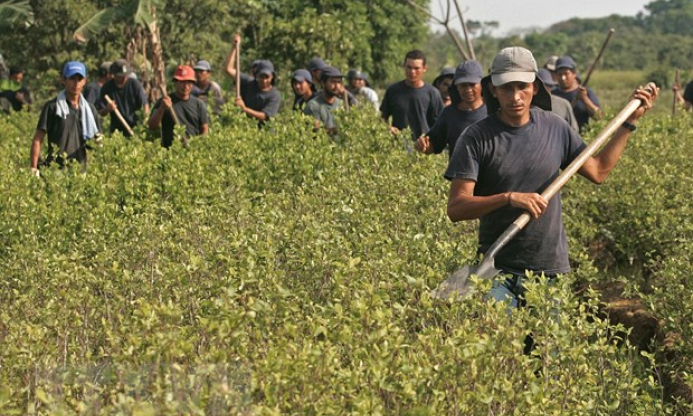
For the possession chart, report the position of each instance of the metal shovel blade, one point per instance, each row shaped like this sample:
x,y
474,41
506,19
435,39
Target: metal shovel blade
x,y
458,286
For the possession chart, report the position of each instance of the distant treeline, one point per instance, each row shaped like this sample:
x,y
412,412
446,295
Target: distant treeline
x,y
369,35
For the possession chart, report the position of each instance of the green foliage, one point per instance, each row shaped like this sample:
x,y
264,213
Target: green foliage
x,y
16,13
137,11
281,271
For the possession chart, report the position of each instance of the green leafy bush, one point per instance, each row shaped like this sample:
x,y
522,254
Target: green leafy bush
x,y
281,271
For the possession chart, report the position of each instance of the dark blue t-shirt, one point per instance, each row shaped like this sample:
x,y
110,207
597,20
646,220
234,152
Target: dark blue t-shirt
x,y
129,99
416,108
192,113
500,158
579,109
450,124
266,101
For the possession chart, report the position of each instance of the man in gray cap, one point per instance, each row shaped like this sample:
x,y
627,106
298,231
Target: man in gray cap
x,y
315,67
560,106
502,163
584,100
467,107
259,98
303,87
205,88
323,106
359,87
127,96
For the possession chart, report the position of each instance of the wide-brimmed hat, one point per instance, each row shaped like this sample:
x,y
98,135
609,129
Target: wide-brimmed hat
x,y
546,77
445,73
514,64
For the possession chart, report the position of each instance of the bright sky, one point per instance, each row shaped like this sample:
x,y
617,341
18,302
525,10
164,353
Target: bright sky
x,y
521,14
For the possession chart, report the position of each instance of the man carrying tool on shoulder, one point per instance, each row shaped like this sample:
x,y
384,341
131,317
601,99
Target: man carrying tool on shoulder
x,y
584,100
126,95
502,163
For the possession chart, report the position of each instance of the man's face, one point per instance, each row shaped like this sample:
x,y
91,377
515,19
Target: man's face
x,y
414,69
74,85
469,92
444,86
300,87
183,89
202,76
332,86
18,77
264,81
567,78
515,98
316,73
120,80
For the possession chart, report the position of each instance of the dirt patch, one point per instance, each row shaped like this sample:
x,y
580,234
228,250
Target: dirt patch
x,y
646,334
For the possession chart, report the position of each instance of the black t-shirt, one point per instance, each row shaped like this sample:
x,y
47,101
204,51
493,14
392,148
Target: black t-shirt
x,y
688,92
501,158
416,108
450,124
129,99
11,97
299,102
266,101
192,113
64,135
91,92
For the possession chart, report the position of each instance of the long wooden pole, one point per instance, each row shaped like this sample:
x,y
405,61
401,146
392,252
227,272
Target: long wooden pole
x,y
238,69
599,55
677,80
120,117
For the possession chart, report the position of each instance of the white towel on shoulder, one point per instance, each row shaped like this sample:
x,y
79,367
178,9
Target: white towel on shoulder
x,y
89,128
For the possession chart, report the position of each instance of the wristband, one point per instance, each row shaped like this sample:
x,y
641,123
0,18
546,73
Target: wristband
x,y
628,126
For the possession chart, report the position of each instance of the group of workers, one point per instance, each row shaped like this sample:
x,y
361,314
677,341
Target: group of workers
x,y
508,133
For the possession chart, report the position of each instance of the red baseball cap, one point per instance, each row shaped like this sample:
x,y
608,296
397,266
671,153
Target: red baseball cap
x,y
184,73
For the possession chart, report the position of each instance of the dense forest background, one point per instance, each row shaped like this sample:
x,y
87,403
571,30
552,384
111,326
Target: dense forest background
x,y
372,36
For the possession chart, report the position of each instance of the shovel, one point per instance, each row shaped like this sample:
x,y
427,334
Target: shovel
x,y
458,284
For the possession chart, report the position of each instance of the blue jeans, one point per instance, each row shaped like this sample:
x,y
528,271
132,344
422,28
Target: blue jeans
x,y
510,290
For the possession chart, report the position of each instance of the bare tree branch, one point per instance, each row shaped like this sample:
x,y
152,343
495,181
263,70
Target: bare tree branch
x,y
446,24
470,46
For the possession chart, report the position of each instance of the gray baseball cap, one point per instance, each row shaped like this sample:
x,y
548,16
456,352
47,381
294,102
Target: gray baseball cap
x,y
203,66
513,64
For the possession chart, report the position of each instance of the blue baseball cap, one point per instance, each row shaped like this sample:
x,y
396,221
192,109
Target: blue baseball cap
x,y
73,68
468,72
565,62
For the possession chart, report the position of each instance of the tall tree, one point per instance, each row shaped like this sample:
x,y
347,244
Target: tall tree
x,y
140,17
